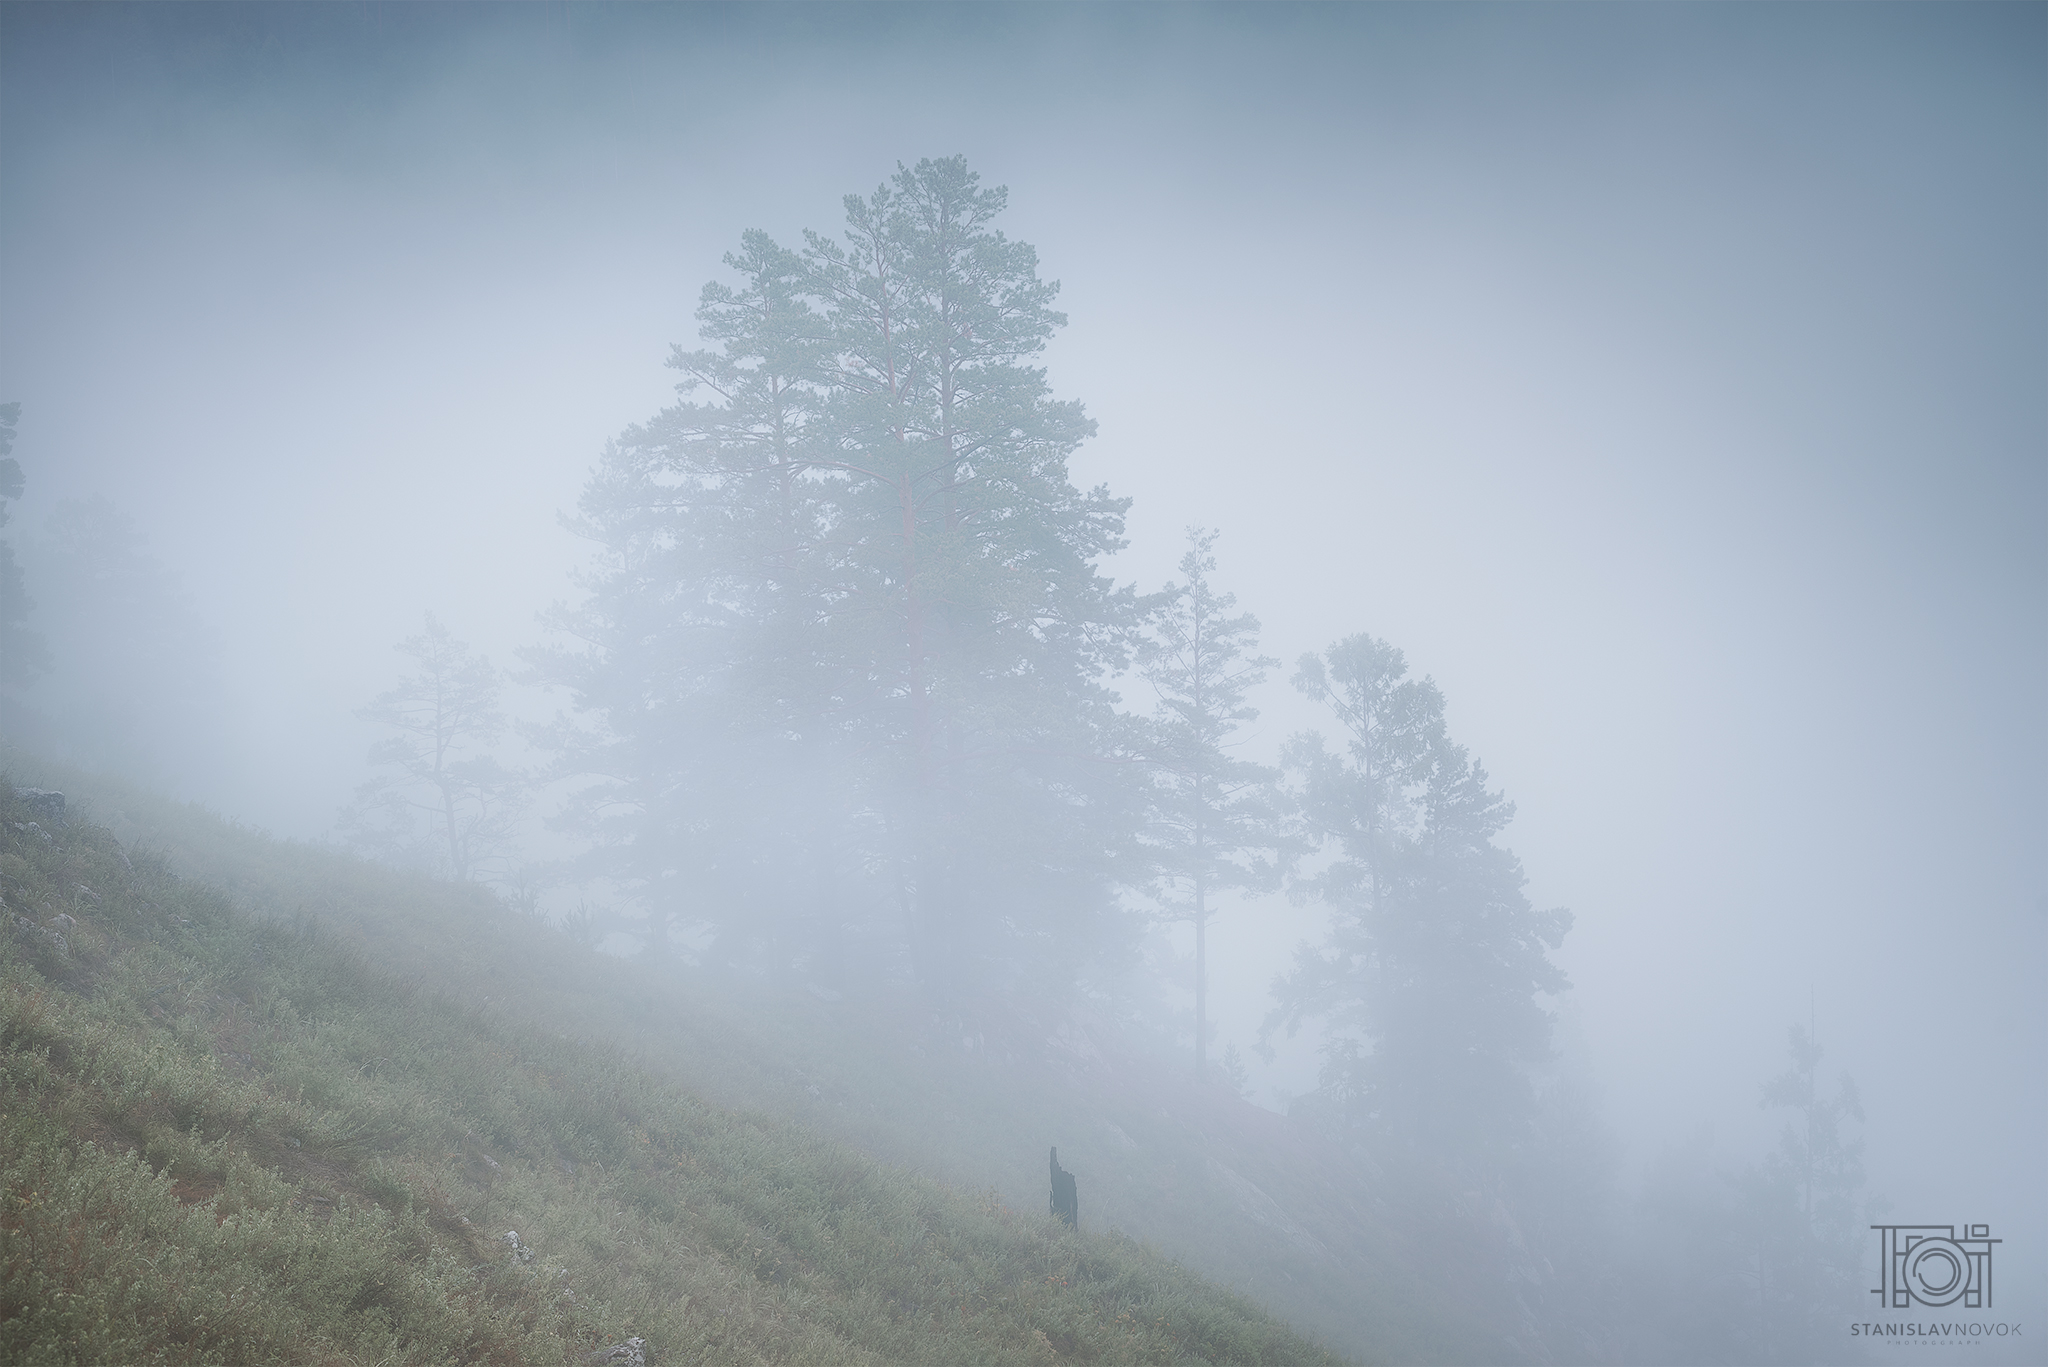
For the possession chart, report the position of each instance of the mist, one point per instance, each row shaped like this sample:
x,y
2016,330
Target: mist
x,y
1665,383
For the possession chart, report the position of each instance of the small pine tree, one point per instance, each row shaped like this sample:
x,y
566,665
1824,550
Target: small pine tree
x,y
444,801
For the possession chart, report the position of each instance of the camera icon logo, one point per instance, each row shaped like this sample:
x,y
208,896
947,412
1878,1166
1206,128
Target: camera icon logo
x,y
1934,1265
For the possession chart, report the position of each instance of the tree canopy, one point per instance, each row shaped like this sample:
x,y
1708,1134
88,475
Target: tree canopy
x,y
1436,961
847,646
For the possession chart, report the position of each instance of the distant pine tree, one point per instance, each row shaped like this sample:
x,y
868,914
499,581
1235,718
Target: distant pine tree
x,y
1435,960
1215,823
23,655
443,801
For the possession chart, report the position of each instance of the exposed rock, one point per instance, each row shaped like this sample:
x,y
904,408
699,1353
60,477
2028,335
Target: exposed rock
x,y
52,937
631,1353
1263,1208
46,804
1072,1041
521,1253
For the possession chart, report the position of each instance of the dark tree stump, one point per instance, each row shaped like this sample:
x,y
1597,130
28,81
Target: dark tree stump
x,y
1065,1203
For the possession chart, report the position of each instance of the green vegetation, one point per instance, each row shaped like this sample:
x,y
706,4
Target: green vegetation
x,y
843,717
237,1137
1383,1265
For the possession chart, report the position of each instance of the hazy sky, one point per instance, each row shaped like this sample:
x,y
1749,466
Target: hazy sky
x,y
1668,382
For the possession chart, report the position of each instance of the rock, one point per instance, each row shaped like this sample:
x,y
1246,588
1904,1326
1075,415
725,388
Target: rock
x,y
631,1353
521,1254
62,921
1263,1209
54,938
1074,1042
46,804
31,828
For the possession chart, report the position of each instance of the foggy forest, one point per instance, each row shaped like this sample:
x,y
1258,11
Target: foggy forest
x,y
1020,683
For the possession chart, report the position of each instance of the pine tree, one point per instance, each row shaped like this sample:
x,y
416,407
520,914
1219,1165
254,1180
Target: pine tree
x,y
1761,1264
1216,825
1435,959
23,654
1357,800
444,801
973,582
1800,1218
711,665
858,585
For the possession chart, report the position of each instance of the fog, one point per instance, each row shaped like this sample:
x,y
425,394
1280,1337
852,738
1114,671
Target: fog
x,y
1666,382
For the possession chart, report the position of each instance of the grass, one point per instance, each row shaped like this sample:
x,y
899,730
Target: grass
x,y
1378,1264
296,1118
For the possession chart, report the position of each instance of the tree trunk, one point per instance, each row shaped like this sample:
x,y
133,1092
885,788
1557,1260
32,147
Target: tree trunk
x,y
1201,974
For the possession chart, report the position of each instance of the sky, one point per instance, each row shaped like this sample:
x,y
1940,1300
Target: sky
x,y
1666,381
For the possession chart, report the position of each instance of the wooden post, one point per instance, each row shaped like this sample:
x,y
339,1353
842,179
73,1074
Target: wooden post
x,y
1065,1203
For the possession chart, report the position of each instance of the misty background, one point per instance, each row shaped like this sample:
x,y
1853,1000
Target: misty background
x,y
1665,382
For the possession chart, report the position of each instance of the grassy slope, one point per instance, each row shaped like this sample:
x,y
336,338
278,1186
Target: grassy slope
x,y
1243,1196
224,1138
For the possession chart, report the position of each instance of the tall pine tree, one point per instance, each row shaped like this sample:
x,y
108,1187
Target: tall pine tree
x,y
705,673
972,581
847,646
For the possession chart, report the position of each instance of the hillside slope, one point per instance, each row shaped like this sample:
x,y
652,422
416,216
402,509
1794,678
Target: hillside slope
x,y
233,1137
1379,1267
